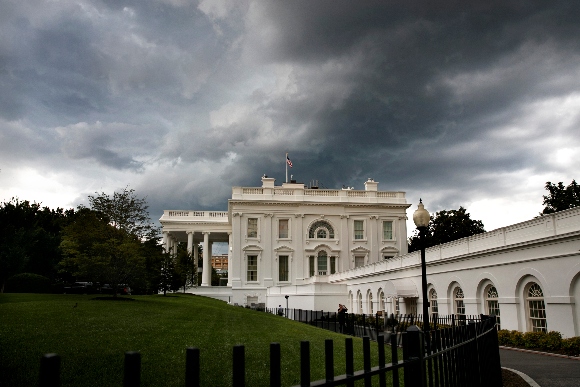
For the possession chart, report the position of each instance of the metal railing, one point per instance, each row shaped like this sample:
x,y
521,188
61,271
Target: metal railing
x,y
459,355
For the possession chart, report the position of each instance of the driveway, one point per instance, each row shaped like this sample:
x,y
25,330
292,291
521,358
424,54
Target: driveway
x,y
547,371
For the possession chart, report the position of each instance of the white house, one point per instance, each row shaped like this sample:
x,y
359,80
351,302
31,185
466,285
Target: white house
x,y
322,247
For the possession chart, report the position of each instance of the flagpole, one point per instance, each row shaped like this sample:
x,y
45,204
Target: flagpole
x,y
286,162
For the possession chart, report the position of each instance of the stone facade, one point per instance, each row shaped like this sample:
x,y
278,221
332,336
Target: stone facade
x,y
322,247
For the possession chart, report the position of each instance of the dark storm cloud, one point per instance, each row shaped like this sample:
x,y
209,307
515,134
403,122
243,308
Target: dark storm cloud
x,y
188,98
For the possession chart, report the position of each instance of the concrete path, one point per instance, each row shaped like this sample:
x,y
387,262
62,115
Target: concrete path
x,y
547,371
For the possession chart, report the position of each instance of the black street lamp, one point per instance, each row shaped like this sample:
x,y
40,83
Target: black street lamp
x,y
286,297
421,218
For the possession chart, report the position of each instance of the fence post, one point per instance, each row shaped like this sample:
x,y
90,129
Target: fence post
x,y
132,376
329,359
239,365
192,367
381,345
394,359
49,375
349,357
275,365
414,351
305,363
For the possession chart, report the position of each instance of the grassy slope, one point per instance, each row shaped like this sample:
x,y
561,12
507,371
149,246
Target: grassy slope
x,y
93,337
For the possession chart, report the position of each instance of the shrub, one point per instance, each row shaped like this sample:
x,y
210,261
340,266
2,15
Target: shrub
x,y
503,337
517,338
533,339
28,283
571,346
551,341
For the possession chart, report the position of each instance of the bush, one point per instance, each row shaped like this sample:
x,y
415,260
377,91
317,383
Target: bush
x,y
551,341
503,337
28,283
571,346
532,339
517,338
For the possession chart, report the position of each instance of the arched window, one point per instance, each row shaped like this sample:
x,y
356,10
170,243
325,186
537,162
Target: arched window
x,y
382,301
322,263
370,302
360,303
458,300
434,308
536,308
492,302
350,305
321,230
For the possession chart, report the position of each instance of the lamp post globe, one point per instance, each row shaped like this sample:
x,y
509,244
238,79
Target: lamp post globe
x,y
421,219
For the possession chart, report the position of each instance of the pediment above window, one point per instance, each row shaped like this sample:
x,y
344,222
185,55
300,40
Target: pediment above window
x,y
252,248
284,248
322,246
389,249
360,249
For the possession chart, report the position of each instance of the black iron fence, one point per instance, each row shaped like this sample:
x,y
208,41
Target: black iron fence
x,y
455,355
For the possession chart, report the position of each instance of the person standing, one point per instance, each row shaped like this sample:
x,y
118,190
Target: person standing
x,y
341,317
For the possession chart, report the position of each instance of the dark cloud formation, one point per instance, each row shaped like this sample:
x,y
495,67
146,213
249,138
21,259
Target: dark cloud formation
x,y
459,103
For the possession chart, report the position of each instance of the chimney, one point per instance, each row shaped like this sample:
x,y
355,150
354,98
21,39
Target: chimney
x,y
371,185
268,182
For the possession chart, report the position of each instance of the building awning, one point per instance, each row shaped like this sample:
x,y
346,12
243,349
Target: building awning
x,y
401,288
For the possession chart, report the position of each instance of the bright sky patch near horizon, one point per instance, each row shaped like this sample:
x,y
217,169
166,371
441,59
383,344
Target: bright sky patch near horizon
x,y
473,105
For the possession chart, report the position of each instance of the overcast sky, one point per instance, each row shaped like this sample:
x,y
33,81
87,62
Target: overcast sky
x,y
472,106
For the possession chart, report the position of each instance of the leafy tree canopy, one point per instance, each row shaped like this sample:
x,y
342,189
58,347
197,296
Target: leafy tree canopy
x,y
561,197
125,211
446,226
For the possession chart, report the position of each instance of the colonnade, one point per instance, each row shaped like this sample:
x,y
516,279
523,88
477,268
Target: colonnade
x,y
170,242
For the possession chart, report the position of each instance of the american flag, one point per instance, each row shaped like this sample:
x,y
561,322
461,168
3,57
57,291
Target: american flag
x,y
288,161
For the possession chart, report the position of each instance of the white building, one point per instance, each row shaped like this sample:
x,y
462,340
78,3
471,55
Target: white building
x,y
323,247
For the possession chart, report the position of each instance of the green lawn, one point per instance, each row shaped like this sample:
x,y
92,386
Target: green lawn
x,y
93,337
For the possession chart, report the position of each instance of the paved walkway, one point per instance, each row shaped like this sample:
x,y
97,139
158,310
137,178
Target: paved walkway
x,y
547,371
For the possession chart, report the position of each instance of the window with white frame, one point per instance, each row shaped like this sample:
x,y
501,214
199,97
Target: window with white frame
x,y
311,266
381,301
397,305
360,303
370,302
322,263
283,268
536,308
492,302
321,230
359,260
252,272
332,265
411,306
458,300
359,231
283,228
385,257
387,230
252,227
434,308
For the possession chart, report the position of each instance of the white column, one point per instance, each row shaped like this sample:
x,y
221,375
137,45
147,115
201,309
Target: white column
x,y
165,247
230,244
210,253
196,260
189,241
206,260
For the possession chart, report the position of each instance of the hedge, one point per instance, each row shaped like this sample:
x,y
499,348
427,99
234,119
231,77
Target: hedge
x,y
551,341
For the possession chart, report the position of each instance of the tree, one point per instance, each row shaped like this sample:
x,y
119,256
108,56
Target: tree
x,y
447,226
96,250
126,211
561,198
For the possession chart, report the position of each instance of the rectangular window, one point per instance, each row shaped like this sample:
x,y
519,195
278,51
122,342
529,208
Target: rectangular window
x,y
358,229
493,310
252,268
397,307
388,257
359,261
434,307
459,307
387,230
311,266
322,264
252,227
283,228
332,265
411,305
537,315
283,268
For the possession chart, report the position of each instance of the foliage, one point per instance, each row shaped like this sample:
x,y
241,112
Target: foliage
x,y
551,341
571,346
92,338
446,226
517,338
504,337
561,197
28,283
532,339
126,212
100,252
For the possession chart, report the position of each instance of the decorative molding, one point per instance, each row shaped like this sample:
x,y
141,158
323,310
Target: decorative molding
x,y
268,214
322,216
344,216
374,217
234,214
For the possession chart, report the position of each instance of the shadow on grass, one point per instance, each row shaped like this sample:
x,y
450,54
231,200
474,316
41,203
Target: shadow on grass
x,y
112,299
